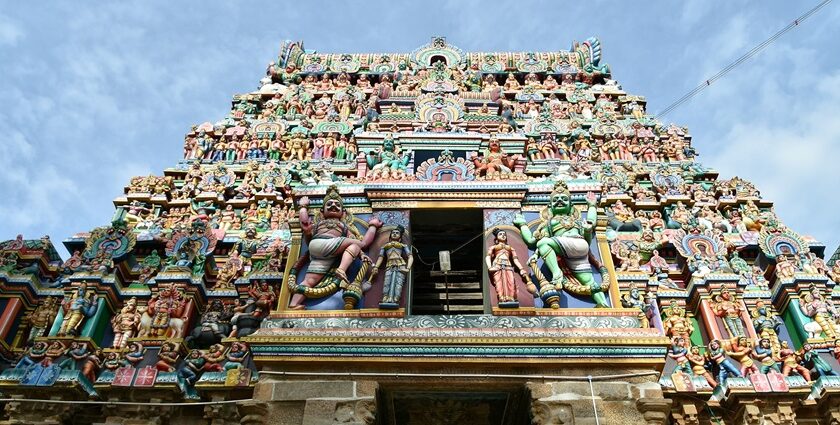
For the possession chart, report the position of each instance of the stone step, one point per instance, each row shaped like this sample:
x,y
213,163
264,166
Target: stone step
x,y
452,296
429,286
441,309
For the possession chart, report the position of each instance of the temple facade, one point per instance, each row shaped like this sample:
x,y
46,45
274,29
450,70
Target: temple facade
x,y
433,237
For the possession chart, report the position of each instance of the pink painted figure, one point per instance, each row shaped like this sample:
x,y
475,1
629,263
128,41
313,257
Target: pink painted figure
x,y
501,260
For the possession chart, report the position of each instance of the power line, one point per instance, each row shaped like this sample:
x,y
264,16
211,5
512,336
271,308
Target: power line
x,y
752,52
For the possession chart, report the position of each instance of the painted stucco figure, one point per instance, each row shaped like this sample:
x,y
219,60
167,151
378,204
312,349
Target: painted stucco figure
x,y
397,258
502,264
561,240
726,306
78,305
330,240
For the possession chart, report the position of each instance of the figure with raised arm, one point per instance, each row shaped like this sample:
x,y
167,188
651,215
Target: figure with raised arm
x,y
330,240
563,235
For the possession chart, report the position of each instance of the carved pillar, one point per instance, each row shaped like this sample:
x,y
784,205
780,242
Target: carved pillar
x,y
220,414
137,415
356,412
7,319
784,415
37,413
654,410
252,412
831,417
709,320
766,412
551,413
750,415
361,166
686,414
829,409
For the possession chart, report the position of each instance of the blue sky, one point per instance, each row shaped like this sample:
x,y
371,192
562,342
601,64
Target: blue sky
x,y
93,94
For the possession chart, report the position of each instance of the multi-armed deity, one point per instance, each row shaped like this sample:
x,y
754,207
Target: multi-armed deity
x,y
563,235
822,311
332,246
388,162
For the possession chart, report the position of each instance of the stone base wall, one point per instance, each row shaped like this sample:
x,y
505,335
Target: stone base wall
x,y
324,401
283,400
571,402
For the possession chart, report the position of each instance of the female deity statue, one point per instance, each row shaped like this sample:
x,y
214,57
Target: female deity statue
x,y
726,368
398,260
229,272
563,234
168,357
679,353
494,161
791,362
764,353
812,358
91,363
363,82
741,352
834,273
501,259
510,83
388,158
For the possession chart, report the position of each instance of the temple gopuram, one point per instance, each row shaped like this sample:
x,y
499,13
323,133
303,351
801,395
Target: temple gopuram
x,y
433,237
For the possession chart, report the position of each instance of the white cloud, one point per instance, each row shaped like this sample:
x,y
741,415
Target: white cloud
x,y
96,94
773,121
10,31
694,11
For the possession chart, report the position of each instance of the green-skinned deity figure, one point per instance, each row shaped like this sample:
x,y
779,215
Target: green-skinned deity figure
x,y
388,160
562,240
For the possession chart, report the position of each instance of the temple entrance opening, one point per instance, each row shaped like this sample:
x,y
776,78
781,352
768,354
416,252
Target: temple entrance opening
x,y
459,290
498,404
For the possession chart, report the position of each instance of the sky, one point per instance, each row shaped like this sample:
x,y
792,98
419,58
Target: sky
x,y
95,93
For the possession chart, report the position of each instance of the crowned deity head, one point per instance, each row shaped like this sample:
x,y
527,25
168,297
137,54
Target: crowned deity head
x,y
634,291
333,204
560,201
674,309
725,294
388,144
500,235
397,233
130,305
494,144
